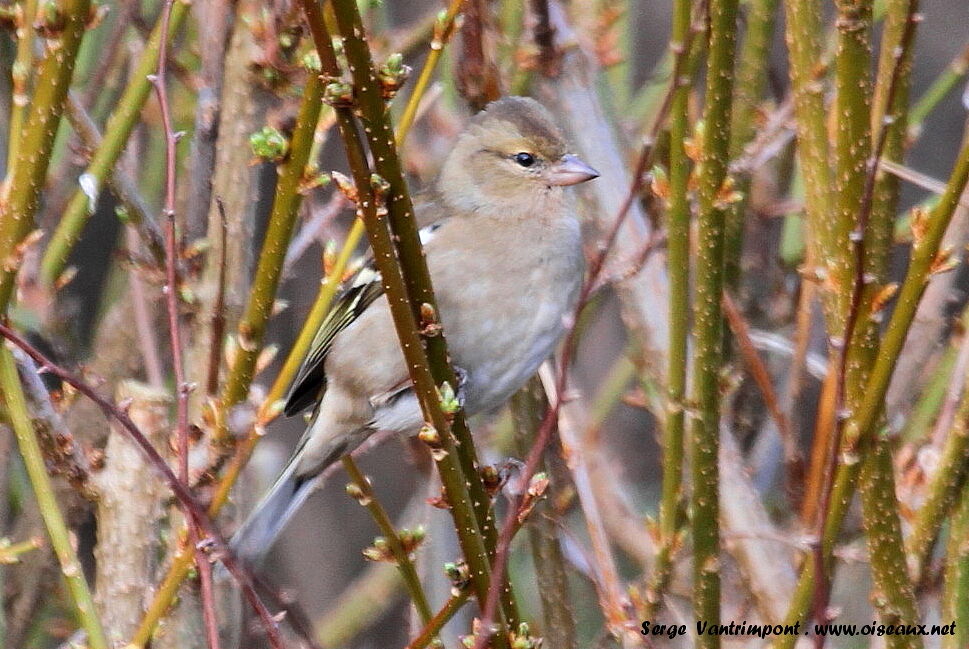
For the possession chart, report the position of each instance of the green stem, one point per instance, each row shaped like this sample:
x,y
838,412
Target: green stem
x,y
20,78
386,526
21,191
11,552
450,608
752,74
955,597
379,135
940,88
116,133
282,219
924,255
708,317
864,217
16,409
943,489
391,264
895,595
803,27
678,247
443,29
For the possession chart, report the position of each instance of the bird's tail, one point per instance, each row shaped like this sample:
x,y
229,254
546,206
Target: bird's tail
x,y
253,540
255,537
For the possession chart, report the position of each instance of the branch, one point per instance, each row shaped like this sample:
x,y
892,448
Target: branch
x,y
396,263
16,410
192,508
708,316
20,193
365,496
116,133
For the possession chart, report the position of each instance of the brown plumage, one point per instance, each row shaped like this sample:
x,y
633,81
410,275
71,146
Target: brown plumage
x,y
504,252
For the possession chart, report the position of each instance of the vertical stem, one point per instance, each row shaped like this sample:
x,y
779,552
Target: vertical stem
x,y
116,133
403,304
252,326
21,191
894,595
708,318
15,406
678,247
752,74
20,78
803,36
955,596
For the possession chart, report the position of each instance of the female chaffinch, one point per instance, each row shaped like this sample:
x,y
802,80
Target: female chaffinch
x,y
504,252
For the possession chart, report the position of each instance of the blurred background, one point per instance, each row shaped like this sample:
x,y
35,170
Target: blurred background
x,y
234,69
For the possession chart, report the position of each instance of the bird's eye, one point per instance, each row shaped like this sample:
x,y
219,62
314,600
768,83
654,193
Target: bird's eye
x,y
525,159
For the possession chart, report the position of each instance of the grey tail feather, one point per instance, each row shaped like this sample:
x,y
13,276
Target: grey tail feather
x,y
253,540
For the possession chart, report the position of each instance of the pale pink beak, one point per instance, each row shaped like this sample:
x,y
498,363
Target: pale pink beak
x,y
570,170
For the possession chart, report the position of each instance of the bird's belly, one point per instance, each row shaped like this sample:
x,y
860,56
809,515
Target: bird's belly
x,y
500,356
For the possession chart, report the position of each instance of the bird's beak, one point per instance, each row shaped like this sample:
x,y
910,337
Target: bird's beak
x,y
570,170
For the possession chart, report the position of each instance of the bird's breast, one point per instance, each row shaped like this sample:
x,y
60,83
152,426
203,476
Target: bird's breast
x,y
504,318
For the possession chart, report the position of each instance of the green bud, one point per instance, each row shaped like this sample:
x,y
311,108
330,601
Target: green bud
x,y
269,144
395,62
338,93
311,61
52,19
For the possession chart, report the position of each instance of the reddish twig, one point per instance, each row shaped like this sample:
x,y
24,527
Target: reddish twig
x,y
192,508
792,456
218,312
208,596
171,270
511,523
159,81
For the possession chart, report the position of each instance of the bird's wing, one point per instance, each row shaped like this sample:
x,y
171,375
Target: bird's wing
x,y
365,287
310,382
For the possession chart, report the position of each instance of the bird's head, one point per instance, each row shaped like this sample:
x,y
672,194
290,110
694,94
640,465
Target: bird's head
x,y
511,155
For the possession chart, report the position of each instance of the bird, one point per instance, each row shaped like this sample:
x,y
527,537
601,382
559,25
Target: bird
x,y
504,250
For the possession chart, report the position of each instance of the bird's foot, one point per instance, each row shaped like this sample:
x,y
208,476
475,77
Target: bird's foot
x,y
462,377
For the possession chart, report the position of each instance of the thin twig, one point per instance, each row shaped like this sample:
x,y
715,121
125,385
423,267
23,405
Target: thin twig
x,y
792,454
159,81
218,309
544,433
368,499
442,617
15,407
191,506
